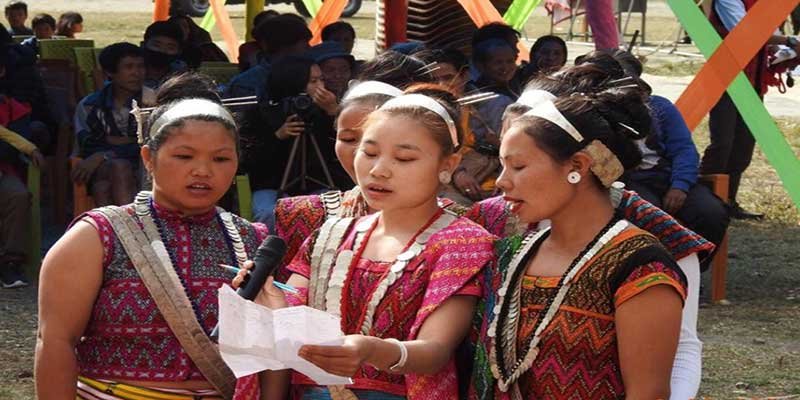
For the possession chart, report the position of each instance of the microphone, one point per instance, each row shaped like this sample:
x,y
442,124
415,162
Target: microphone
x,y
266,261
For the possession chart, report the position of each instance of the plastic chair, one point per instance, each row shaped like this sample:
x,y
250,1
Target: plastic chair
x,y
61,49
718,183
220,72
35,239
81,200
245,197
87,64
629,7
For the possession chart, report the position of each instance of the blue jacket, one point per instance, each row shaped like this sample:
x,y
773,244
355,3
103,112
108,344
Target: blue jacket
x,y
675,155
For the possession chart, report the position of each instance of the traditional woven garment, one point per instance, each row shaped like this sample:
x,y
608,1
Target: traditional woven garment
x,y
296,218
450,264
494,215
577,356
127,338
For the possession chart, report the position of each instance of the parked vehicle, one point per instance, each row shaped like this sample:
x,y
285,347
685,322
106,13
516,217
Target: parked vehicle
x,y
198,8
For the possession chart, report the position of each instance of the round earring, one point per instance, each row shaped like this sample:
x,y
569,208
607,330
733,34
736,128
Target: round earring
x,y
573,177
445,177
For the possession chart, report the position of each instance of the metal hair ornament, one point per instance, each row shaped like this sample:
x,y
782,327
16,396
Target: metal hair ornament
x,y
183,109
417,100
605,165
366,88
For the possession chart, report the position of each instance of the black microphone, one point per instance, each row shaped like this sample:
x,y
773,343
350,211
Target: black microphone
x,y
267,259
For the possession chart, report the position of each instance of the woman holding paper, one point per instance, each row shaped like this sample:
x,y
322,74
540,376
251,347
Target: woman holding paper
x,y
405,280
103,330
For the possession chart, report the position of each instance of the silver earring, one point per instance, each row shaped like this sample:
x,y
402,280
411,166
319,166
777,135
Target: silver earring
x,y
573,177
445,177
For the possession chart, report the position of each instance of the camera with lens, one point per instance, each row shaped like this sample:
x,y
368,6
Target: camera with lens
x,y
302,105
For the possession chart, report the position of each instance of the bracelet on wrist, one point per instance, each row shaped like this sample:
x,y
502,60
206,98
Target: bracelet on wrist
x,y
403,355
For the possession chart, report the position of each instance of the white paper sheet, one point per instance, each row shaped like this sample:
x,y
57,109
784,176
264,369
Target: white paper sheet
x,y
253,338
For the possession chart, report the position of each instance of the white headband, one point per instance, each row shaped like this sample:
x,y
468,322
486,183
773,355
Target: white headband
x,y
547,110
534,97
605,165
428,103
190,108
367,88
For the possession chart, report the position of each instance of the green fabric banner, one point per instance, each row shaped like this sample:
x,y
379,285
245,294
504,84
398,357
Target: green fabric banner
x,y
313,6
755,115
208,21
519,12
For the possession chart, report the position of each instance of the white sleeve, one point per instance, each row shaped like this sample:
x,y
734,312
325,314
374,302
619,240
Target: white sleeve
x,y
730,12
687,369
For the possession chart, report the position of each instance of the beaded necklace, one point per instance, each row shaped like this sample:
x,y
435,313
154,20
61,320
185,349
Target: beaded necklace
x,y
341,275
506,311
154,231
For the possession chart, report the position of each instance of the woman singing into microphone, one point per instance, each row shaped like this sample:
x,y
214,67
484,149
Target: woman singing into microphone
x,y
104,331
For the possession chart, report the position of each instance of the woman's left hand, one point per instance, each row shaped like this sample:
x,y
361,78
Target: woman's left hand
x,y
344,360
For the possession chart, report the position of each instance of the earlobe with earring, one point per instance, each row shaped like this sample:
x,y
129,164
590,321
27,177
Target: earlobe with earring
x,y
574,177
445,177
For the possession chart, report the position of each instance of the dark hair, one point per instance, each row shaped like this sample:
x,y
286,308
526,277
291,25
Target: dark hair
x,y
263,16
43,19
629,62
155,142
111,55
280,32
396,69
165,29
448,55
482,52
618,62
432,121
336,27
496,30
188,85
601,116
289,77
65,23
540,42
5,37
16,5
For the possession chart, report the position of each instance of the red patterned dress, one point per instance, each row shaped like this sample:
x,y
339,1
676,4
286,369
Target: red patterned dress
x,y
127,338
450,264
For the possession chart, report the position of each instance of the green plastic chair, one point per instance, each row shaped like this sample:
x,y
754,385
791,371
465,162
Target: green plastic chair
x,y
245,196
61,49
219,71
86,63
20,38
35,242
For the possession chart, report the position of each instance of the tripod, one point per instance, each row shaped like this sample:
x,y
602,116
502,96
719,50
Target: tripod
x,y
301,143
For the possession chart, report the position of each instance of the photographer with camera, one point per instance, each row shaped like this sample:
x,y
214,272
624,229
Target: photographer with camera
x,y
295,106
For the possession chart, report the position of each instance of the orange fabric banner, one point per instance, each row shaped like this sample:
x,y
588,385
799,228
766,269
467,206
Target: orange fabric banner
x,y
161,10
329,13
732,56
226,28
483,12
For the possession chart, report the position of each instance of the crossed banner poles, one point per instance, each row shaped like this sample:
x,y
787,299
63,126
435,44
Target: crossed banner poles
x,y
722,71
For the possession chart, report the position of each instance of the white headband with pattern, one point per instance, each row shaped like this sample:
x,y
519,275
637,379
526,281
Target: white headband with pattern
x,y
605,165
533,97
366,88
188,108
428,103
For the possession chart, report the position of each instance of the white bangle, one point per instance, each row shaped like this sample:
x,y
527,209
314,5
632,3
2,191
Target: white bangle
x,y
403,355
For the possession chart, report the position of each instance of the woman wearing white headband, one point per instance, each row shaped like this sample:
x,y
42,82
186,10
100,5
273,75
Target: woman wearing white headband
x,y
686,246
591,293
405,279
107,327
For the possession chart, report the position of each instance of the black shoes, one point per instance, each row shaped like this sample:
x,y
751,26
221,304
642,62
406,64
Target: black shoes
x,y
11,276
737,212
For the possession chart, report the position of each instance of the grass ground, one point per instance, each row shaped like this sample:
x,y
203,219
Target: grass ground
x,y
752,347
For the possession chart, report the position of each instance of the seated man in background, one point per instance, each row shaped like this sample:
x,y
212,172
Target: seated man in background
x,y
282,36
44,27
106,130
668,174
16,15
342,33
162,46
